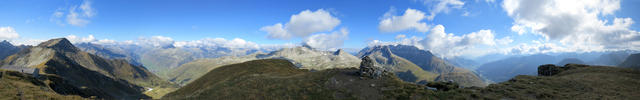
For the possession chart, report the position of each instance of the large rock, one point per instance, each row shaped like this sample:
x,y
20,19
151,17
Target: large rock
x,y
369,70
550,69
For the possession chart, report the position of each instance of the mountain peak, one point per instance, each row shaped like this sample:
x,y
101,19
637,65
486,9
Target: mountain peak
x,y
339,52
59,44
5,43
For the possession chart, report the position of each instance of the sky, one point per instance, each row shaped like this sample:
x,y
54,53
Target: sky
x,y
449,28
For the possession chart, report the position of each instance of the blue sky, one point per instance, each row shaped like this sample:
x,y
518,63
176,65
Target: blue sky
x,y
188,20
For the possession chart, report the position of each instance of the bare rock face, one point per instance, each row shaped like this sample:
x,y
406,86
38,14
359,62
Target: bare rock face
x,y
369,70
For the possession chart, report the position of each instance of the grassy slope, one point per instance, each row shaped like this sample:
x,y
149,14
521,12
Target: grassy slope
x,y
278,79
594,82
15,85
193,70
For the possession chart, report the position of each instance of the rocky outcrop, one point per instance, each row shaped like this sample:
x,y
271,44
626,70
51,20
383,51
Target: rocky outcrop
x,y
550,69
443,86
369,70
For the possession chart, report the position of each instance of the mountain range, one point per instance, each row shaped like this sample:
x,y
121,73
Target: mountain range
x,y
414,65
88,74
8,49
505,69
633,61
282,80
303,57
160,60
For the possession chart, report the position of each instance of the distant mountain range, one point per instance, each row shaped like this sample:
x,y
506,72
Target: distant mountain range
x,y
504,69
160,60
414,65
633,61
280,79
7,49
303,57
88,74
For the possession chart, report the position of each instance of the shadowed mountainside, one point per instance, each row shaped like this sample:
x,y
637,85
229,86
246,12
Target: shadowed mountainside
x,y
633,61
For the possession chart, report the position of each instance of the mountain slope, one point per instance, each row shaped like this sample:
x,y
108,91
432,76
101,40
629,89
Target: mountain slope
x,y
505,69
112,78
15,85
570,61
7,49
280,79
193,70
612,58
414,65
303,57
309,58
633,61
160,60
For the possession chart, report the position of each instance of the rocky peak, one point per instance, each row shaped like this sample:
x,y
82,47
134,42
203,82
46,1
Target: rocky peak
x,y
339,52
59,44
305,45
5,43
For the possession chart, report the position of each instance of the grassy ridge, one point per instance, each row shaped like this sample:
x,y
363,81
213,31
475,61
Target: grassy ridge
x,y
279,79
15,85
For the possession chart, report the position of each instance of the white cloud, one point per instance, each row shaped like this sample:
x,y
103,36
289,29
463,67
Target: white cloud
x,y
440,6
76,39
574,23
76,15
27,42
218,42
303,24
163,41
411,19
8,33
327,41
155,41
449,45
400,36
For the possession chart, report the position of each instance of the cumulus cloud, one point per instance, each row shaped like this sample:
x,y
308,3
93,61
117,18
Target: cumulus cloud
x,y
76,39
303,24
218,42
450,45
27,42
411,19
400,36
327,41
8,33
155,41
574,23
76,15
440,6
